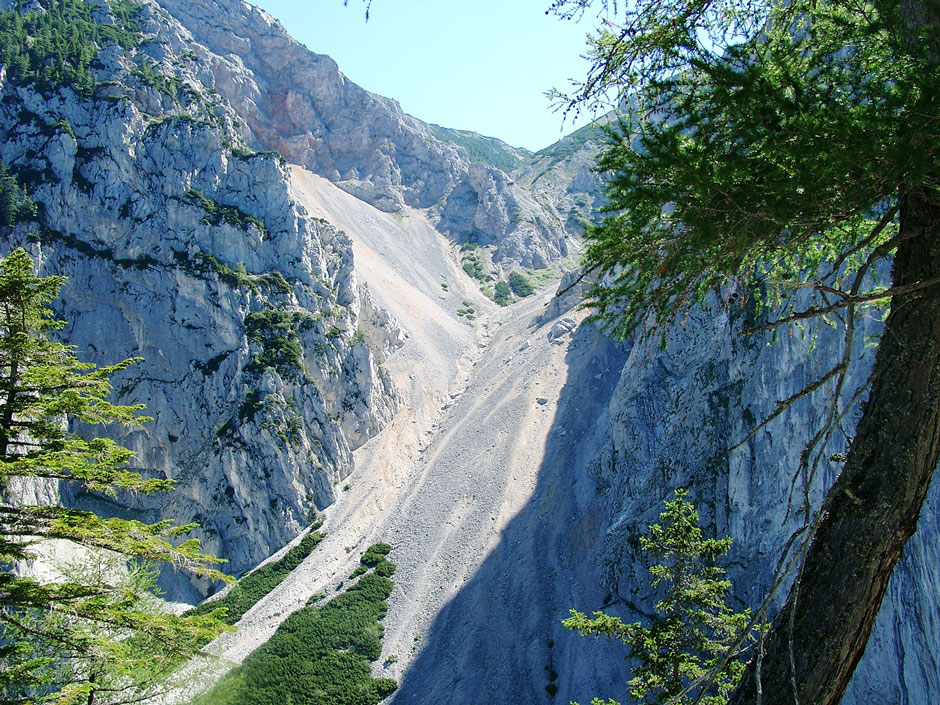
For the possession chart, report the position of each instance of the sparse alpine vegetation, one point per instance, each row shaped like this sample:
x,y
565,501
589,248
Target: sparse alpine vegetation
x,y
259,582
521,285
56,47
320,654
502,294
481,149
217,212
472,264
276,331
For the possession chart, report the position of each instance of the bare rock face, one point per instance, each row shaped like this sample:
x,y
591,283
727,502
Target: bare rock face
x,y
299,104
261,353
676,411
563,177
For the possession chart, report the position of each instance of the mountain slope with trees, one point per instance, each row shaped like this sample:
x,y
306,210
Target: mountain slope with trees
x,y
182,246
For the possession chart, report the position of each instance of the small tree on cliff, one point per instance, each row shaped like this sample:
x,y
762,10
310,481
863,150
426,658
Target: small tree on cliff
x,y
799,140
95,634
693,627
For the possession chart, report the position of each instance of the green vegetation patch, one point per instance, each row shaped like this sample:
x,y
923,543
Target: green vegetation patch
x,y
502,294
56,47
217,212
320,654
592,133
276,330
467,310
148,74
540,277
473,265
481,149
521,285
258,583
239,277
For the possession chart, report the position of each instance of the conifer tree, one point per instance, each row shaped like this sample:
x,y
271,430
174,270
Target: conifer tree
x,y
781,146
95,635
693,628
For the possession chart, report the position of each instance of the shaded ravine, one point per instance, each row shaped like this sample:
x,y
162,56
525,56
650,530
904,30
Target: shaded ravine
x,y
498,635
486,482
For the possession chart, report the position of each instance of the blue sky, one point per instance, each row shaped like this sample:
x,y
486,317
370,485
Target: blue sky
x,y
481,65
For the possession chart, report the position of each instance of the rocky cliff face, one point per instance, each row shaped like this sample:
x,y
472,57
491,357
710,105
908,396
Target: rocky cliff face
x,y
300,104
675,413
262,354
562,177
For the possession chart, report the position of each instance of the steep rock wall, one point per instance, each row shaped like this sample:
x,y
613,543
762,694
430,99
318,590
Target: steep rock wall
x,y
262,354
675,414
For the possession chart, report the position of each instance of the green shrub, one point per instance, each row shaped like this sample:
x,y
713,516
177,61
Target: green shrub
x,y
385,569
276,330
319,655
520,285
472,264
236,278
375,554
502,294
217,212
258,583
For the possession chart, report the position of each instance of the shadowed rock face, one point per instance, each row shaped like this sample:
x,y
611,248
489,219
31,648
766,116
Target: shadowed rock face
x,y
299,103
676,412
500,636
617,449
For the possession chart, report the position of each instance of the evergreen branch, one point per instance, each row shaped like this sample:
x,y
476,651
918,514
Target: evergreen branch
x,y
883,223
847,301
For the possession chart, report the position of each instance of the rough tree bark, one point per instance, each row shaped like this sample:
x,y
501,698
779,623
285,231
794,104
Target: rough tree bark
x,y
871,511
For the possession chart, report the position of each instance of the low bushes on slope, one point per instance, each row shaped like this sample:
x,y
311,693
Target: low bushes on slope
x,y
320,655
521,285
258,583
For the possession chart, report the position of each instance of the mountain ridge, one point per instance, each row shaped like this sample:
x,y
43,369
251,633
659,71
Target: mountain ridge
x,y
516,452
299,104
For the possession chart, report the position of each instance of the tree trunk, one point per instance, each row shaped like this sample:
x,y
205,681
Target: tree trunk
x,y
872,509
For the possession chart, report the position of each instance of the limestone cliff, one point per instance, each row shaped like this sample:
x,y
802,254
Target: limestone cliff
x,y
299,103
676,412
262,354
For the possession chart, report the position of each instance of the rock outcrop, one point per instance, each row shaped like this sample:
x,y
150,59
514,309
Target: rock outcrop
x,y
261,353
300,104
563,177
676,413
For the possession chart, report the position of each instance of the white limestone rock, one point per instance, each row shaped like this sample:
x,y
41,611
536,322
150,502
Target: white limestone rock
x,y
256,445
